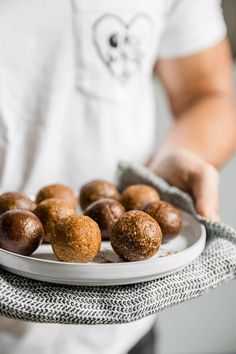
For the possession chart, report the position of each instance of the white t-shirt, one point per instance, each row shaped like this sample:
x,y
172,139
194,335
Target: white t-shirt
x,y
76,96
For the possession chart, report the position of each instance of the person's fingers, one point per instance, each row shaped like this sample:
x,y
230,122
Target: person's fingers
x,y
205,190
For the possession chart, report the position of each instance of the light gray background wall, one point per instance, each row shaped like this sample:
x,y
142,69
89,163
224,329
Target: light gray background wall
x,y
205,325
229,7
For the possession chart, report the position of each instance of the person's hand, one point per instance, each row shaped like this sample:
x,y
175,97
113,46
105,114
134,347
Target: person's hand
x,y
192,174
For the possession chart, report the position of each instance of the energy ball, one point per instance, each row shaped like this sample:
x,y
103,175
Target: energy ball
x,y
76,238
137,196
57,191
105,212
20,232
167,216
96,190
49,211
136,236
11,200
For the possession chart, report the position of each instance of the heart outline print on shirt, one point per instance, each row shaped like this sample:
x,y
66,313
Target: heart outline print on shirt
x,y
122,45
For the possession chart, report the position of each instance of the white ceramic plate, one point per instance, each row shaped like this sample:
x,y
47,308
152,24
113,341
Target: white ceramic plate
x,y
108,269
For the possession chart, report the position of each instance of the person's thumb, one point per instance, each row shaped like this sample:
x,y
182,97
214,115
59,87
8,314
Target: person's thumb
x,y
205,190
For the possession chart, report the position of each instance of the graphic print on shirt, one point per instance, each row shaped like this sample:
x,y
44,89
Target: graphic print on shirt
x,y
121,45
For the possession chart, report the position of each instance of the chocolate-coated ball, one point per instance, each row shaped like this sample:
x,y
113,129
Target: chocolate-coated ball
x,y
49,211
167,216
57,191
20,232
96,190
136,236
76,239
137,196
105,212
12,200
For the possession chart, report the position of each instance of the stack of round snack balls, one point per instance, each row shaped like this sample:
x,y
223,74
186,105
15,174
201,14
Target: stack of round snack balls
x,y
135,221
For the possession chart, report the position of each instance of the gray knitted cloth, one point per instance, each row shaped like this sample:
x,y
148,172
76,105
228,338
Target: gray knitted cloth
x,y
31,300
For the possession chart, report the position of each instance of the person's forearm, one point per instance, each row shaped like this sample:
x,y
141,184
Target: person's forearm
x,y
207,127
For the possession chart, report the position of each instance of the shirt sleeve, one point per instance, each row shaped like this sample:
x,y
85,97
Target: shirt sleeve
x,y
191,26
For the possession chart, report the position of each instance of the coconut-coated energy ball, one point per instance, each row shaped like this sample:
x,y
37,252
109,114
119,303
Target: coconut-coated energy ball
x,y
167,216
20,232
50,211
137,196
57,191
105,212
96,190
76,239
12,200
136,236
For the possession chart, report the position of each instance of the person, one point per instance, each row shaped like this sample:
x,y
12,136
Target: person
x,y
76,96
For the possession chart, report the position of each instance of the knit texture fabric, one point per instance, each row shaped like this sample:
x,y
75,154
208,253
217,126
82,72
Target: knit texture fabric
x,y
36,301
